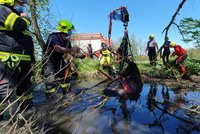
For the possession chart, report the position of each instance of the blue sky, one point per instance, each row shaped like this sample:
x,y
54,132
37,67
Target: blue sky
x,y
146,17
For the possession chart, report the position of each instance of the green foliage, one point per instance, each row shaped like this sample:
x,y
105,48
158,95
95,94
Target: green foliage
x,y
45,17
86,65
194,52
44,21
37,70
190,28
160,71
193,66
172,71
134,46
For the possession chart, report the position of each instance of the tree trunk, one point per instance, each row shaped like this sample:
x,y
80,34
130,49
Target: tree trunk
x,y
35,24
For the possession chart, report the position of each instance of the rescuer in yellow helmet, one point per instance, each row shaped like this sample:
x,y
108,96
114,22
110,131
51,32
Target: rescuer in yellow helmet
x,y
106,59
54,65
152,46
181,56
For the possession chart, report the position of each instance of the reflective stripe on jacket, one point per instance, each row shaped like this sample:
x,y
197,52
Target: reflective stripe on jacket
x,y
9,19
14,34
20,57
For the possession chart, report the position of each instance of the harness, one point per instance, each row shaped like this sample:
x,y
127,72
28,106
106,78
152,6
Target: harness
x,y
7,23
12,59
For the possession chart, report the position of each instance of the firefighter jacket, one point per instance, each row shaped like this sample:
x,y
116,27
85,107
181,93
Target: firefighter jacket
x,y
151,47
55,39
179,51
14,34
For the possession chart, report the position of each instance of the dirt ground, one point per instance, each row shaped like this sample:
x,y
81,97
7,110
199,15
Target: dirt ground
x,y
192,83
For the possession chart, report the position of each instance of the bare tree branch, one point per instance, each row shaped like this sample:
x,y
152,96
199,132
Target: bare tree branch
x,y
179,30
172,21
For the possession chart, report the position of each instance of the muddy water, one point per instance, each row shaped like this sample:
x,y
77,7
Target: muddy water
x,y
155,109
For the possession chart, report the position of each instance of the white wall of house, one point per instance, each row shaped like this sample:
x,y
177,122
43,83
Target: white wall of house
x,y
96,44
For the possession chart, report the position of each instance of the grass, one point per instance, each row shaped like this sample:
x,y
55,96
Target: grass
x,y
87,66
192,64
194,52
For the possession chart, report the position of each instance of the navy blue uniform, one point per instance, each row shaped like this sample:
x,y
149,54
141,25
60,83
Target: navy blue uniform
x,y
166,52
17,56
54,64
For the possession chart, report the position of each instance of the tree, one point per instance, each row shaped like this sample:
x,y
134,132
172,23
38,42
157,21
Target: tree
x,y
141,47
134,47
172,22
190,29
41,21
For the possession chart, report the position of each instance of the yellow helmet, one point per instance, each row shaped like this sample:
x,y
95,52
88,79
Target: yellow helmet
x,y
151,36
172,44
7,2
65,26
103,44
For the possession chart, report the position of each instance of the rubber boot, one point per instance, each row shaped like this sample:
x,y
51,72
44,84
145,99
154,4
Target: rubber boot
x,y
183,70
66,88
26,110
75,74
66,91
49,92
1,116
25,105
1,110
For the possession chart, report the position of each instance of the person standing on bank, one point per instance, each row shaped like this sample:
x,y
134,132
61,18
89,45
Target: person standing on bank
x,y
54,65
152,46
90,50
16,54
166,52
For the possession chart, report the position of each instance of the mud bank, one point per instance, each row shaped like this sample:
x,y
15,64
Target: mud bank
x,y
192,83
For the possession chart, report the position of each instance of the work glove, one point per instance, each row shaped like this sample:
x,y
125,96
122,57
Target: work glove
x,y
172,55
76,49
80,55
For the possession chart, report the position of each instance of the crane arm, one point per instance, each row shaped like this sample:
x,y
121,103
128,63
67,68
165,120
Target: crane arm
x,y
120,14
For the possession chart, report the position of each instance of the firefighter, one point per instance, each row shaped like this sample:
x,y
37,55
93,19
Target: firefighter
x,y
166,52
54,65
182,55
151,48
90,50
106,59
16,54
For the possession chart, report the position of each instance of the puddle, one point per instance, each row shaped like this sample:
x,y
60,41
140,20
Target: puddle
x,y
156,109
